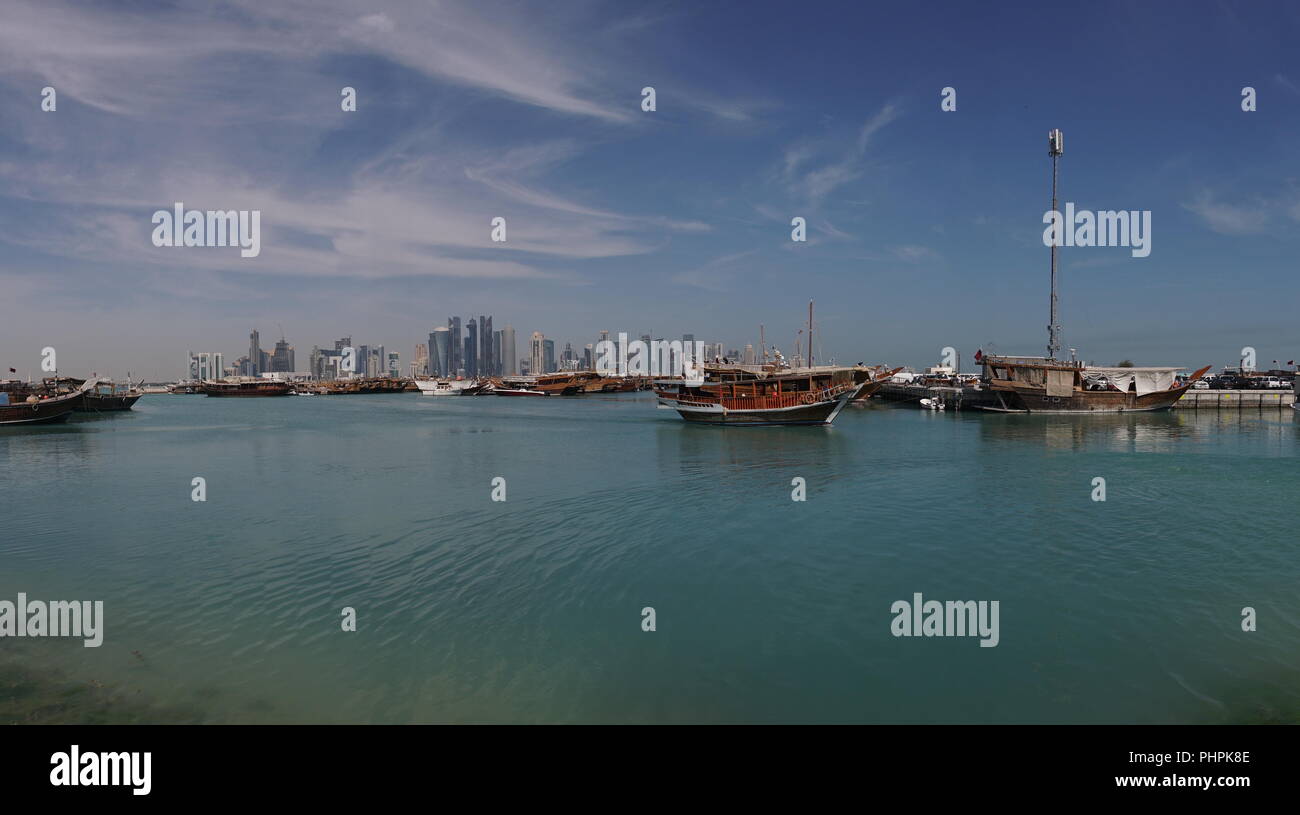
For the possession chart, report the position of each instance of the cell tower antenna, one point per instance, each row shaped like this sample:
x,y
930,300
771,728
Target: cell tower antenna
x,y
1055,147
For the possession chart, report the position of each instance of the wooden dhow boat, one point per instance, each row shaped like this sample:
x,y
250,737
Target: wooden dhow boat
x,y
743,396
518,386
20,405
106,395
236,388
97,394
442,387
1011,384
1046,385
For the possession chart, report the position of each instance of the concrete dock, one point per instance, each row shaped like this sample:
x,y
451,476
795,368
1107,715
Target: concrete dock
x,y
1234,400
1191,400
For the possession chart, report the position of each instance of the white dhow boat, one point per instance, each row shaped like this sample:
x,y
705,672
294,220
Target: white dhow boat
x,y
442,387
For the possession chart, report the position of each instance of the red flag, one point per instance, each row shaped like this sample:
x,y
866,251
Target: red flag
x,y
12,371
979,355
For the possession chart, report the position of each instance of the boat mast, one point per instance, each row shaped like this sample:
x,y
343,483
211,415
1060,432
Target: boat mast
x,y
810,358
1055,146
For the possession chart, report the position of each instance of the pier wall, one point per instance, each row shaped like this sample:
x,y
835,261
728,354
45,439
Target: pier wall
x,y
1234,400
1191,400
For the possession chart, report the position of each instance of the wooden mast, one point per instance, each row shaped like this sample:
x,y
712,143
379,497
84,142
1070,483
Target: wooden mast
x,y
810,357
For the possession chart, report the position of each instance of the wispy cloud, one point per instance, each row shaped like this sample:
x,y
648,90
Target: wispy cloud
x,y
1287,83
912,253
810,181
1229,219
154,95
718,275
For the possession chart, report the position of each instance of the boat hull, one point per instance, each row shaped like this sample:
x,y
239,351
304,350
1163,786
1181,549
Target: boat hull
x,y
431,387
96,403
47,411
817,413
247,390
1029,401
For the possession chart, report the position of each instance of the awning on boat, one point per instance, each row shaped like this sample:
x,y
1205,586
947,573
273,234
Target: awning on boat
x,y
1148,380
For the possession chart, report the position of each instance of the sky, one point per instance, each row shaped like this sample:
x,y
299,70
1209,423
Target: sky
x,y
924,226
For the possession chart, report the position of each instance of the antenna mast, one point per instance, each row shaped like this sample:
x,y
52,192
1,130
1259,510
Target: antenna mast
x,y
1055,147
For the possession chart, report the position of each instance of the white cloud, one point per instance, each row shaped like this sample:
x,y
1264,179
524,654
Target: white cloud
x,y
1229,219
810,181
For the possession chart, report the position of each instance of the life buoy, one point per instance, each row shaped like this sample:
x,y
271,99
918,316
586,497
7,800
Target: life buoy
x,y
808,398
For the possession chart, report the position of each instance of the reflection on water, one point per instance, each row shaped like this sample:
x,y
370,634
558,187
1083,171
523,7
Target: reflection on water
x,y
1166,431
768,609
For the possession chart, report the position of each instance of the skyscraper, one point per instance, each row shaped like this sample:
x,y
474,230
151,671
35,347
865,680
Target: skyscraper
x,y
548,356
282,359
536,351
471,348
421,360
254,354
487,359
509,352
457,349
206,365
440,352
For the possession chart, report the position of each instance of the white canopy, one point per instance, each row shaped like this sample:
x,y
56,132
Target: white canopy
x,y
1147,379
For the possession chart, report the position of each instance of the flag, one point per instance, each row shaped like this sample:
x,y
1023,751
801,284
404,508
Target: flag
x,y
12,371
979,355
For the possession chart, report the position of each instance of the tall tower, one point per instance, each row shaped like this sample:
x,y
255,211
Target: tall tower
x,y
471,349
509,352
1055,147
457,349
536,359
254,354
440,352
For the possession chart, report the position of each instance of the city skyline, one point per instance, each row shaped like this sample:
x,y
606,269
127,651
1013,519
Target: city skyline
x,y
501,354
923,225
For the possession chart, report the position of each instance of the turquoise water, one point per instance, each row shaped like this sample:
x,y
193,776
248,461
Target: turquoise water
x,y
767,610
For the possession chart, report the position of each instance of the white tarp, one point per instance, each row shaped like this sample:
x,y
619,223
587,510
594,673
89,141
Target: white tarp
x,y
1147,379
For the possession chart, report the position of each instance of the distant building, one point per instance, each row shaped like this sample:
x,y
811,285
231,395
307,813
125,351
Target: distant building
x,y
440,358
254,353
207,365
282,359
749,355
536,352
488,352
509,352
548,356
457,348
421,359
471,348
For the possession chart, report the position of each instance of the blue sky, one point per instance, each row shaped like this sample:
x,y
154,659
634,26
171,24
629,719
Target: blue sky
x,y
925,227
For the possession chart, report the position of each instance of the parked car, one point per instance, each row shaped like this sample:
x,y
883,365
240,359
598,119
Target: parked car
x,y
1201,385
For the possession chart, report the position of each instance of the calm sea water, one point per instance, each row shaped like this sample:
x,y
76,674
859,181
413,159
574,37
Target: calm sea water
x,y
768,610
